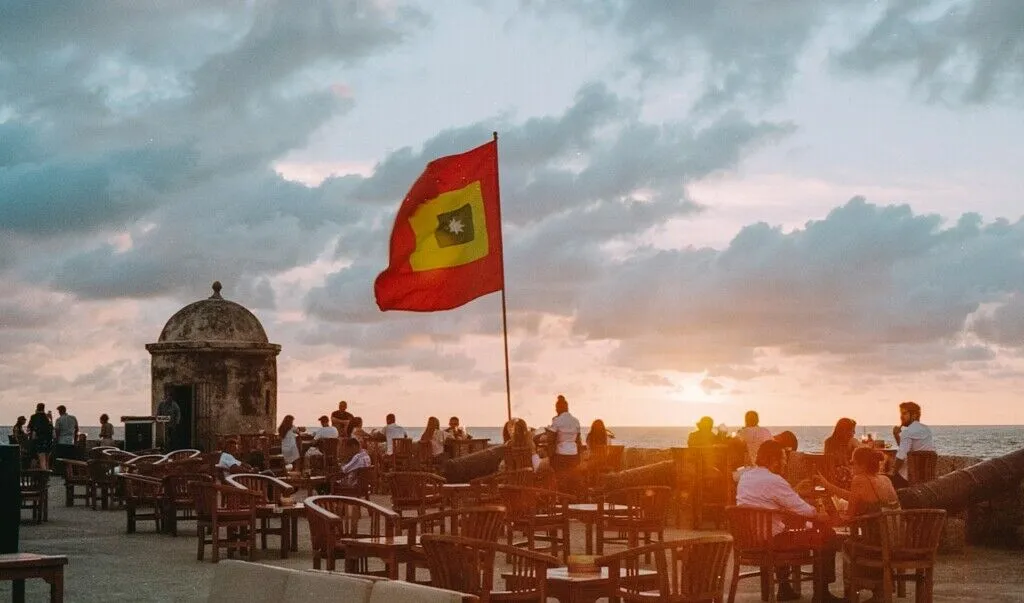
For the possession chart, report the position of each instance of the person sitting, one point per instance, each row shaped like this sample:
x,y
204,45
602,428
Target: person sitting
x,y
359,459
704,436
289,434
341,418
435,437
764,487
911,436
788,441
325,431
358,432
752,435
392,431
228,461
839,448
598,439
454,431
521,438
869,491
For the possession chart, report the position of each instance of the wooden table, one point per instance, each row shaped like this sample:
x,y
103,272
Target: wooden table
x,y
588,587
391,550
21,566
289,516
309,483
587,514
455,494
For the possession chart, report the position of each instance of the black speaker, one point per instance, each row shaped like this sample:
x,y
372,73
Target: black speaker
x,y
138,435
10,497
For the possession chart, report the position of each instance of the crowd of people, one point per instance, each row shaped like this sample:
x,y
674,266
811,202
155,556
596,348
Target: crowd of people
x,y
41,437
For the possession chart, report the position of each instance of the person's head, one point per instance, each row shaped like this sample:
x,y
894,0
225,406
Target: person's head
x,y
705,424
598,433
867,460
343,406
352,445
433,423
771,456
844,430
508,429
286,425
390,419
20,421
356,422
453,423
787,439
520,433
40,407
62,410
561,404
324,420
104,418
231,446
751,419
909,412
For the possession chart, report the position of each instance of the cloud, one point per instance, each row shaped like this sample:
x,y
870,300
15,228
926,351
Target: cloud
x,y
969,51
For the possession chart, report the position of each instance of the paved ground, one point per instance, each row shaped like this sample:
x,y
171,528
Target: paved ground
x,y
106,564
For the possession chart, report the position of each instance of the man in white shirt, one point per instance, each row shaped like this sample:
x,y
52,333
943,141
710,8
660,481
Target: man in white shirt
x,y
391,432
753,435
454,431
911,436
326,431
65,434
228,462
764,487
566,431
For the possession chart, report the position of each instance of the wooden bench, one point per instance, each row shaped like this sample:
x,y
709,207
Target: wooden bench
x,y
21,566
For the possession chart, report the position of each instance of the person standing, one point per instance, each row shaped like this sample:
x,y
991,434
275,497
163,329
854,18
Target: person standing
x,y
454,431
911,436
65,430
20,439
289,440
40,431
753,435
170,409
566,430
106,431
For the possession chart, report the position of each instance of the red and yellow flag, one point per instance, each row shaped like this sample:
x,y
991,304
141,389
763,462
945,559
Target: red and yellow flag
x,y
446,242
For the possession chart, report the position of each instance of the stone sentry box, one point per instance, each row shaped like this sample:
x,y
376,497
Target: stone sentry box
x,y
214,359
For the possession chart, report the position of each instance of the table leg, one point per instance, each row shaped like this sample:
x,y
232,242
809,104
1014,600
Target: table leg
x,y
57,587
286,536
294,541
18,591
589,527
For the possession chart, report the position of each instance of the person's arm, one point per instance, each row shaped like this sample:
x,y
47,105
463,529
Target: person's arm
x,y
901,454
788,500
832,488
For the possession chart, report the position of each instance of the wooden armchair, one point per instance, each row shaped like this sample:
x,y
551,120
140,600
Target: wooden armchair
x,y
35,485
754,545
76,475
688,571
645,514
271,491
103,480
712,486
921,466
404,456
118,455
180,455
333,518
142,464
483,522
365,478
228,508
177,502
484,489
143,498
99,452
892,548
417,491
466,565
540,515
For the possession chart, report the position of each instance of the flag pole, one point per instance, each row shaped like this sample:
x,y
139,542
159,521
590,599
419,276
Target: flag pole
x,y
504,312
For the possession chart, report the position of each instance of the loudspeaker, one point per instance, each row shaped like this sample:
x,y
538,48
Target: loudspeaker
x,y
138,435
10,497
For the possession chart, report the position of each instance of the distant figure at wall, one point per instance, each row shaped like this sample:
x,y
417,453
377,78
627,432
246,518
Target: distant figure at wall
x,y
454,431
40,431
435,436
65,433
342,419
21,439
787,439
704,436
172,434
752,435
839,449
106,431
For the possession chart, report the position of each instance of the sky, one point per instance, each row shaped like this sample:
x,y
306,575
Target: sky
x,y
810,208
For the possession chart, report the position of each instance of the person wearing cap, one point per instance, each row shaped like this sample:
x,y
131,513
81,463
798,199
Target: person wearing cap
x,y
704,436
326,431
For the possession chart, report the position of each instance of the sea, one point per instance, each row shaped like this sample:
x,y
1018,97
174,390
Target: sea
x,y
980,441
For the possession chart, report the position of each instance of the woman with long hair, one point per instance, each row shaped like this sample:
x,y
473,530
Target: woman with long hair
x,y
289,440
870,491
19,437
435,436
599,436
106,431
839,449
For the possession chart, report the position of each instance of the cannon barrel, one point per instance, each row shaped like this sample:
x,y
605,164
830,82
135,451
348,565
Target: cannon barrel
x,y
476,464
964,487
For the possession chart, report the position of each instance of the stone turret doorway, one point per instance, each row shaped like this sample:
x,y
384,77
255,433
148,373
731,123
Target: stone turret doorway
x,y
185,396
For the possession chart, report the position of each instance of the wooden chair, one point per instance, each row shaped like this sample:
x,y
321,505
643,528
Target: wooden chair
x,y
753,540
466,565
180,455
688,571
271,491
142,500
921,466
518,457
332,518
118,455
177,502
713,488
417,491
645,515
404,456
76,475
35,485
482,522
103,481
484,489
228,508
891,548
365,478
541,515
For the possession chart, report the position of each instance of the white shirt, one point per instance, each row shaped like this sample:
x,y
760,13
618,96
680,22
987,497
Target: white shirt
x,y
754,437
359,460
566,429
325,432
763,489
437,443
227,461
914,438
66,425
390,433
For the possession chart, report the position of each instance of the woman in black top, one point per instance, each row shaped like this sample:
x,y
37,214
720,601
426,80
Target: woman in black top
x,y
41,431
20,439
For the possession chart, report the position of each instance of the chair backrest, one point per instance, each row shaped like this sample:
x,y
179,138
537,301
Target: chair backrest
x,y
750,527
484,522
269,487
34,480
180,455
410,487
329,448
365,479
98,452
524,502
331,517
691,569
518,457
647,504
404,455
118,455
102,470
466,565
921,466
76,471
212,498
177,486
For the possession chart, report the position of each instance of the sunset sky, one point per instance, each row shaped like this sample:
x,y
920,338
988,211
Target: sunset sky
x,y
811,208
